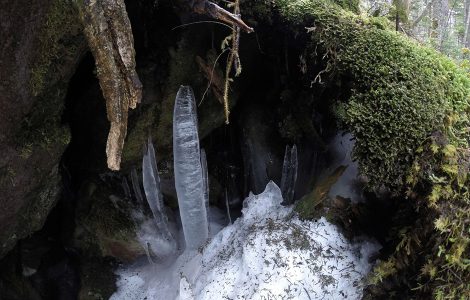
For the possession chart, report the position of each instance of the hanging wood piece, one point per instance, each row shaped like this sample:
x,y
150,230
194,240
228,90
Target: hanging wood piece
x,y
109,35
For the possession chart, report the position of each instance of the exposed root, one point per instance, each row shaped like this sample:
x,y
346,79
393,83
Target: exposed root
x,y
109,35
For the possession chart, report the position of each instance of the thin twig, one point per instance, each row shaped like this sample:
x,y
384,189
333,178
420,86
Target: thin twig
x,y
212,74
199,22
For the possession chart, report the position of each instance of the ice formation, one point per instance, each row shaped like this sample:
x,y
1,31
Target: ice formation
x,y
189,182
289,174
268,253
205,178
151,181
347,185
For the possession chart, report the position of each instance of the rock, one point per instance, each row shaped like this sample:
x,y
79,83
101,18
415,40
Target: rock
x,y
105,227
41,45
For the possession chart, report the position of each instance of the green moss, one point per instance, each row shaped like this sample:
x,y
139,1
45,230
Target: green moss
x,y
42,201
309,206
54,37
156,119
352,5
60,44
401,91
406,104
106,227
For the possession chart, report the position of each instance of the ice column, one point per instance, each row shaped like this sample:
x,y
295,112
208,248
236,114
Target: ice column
x,y
289,174
189,180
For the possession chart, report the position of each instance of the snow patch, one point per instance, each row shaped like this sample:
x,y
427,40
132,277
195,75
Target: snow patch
x,y
268,253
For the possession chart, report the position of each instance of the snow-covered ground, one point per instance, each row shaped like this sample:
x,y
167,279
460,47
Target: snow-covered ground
x,y
268,253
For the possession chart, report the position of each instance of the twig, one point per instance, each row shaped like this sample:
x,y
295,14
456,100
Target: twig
x,y
211,9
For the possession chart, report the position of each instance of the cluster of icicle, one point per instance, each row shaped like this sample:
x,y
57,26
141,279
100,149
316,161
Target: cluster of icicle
x,y
267,253
191,177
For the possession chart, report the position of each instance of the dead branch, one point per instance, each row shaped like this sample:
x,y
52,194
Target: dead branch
x,y
109,35
212,10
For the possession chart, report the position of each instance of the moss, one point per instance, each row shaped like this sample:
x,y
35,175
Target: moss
x,y
60,45
406,104
54,42
309,206
352,5
32,216
105,225
401,91
156,119
43,200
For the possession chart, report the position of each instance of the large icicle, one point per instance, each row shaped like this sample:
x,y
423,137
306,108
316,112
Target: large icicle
x,y
188,170
151,182
289,174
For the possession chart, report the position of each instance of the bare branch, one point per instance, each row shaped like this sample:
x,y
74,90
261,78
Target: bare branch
x,y
211,9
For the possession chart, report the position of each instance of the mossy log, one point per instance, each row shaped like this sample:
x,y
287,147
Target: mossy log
x,y
406,105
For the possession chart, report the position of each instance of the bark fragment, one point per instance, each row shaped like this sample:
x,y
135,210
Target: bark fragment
x,y
108,31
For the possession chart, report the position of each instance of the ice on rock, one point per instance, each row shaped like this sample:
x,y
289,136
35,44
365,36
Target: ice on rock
x,y
165,242
189,180
289,174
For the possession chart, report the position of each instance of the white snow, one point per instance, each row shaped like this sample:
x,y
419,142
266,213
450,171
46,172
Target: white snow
x,y
268,253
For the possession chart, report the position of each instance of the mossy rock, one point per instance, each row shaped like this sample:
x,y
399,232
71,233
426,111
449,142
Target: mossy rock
x,y
105,227
33,136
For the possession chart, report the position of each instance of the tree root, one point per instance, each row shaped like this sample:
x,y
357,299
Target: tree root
x,y
109,35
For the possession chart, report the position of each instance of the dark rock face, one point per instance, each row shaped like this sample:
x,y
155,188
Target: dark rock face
x,y
41,45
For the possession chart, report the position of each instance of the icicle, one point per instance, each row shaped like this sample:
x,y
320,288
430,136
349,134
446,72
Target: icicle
x,y
151,182
136,186
205,178
289,174
188,171
153,163
126,188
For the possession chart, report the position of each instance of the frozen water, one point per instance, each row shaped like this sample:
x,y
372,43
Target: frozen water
x,y
289,174
205,178
347,185
165,244
189,180
268,253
